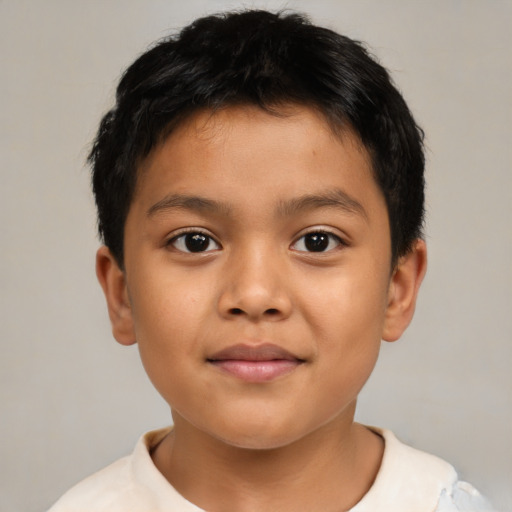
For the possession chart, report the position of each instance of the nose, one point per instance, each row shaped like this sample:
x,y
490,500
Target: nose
x,y
255,288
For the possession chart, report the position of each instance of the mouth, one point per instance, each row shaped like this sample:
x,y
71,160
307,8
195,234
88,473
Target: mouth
x,y
261,363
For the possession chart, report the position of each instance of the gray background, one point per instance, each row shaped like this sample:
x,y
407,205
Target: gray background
x,y
73,400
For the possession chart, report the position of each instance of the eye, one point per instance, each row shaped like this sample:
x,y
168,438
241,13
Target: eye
x,y
317,241
194,242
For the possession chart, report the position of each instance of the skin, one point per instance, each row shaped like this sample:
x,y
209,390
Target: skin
x,y
288,443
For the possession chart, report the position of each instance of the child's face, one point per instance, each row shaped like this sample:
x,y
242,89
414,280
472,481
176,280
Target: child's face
x,y
257,274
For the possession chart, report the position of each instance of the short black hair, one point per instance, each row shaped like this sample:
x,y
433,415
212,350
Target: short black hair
x,y
269,60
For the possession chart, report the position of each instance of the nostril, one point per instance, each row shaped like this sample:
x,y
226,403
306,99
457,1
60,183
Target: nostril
x,y
269,312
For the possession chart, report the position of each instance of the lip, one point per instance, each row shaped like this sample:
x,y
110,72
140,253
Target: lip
x,y
255,363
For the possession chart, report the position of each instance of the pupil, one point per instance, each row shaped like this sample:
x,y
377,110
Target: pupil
x,y
317,242
196,242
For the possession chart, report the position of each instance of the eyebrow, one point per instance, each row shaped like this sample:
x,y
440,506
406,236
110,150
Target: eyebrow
x,y
185,202
335,198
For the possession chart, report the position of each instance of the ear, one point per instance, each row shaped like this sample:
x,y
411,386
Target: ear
x,y
403,291
112,280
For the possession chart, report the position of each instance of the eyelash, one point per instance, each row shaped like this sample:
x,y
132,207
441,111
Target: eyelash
x,y
179,242
331,237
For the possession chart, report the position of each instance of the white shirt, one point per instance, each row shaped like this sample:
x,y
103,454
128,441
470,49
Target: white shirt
x,y
408,481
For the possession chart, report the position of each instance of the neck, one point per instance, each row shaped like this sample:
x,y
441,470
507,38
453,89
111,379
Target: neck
x,y
338,461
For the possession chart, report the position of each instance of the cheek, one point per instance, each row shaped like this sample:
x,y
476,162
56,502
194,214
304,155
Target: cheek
x,y
347,303
167,321
168,306
348,317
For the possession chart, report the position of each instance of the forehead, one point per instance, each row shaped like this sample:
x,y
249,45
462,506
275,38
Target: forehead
x,y
270,158
248,130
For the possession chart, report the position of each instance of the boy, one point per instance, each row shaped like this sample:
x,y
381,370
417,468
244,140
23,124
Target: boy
x,y
259,187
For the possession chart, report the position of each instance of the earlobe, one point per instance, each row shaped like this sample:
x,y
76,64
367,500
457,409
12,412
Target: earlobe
x,y
403,291
113,283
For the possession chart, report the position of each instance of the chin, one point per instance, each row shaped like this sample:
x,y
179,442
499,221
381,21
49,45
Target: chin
x,y
257,443
259,436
